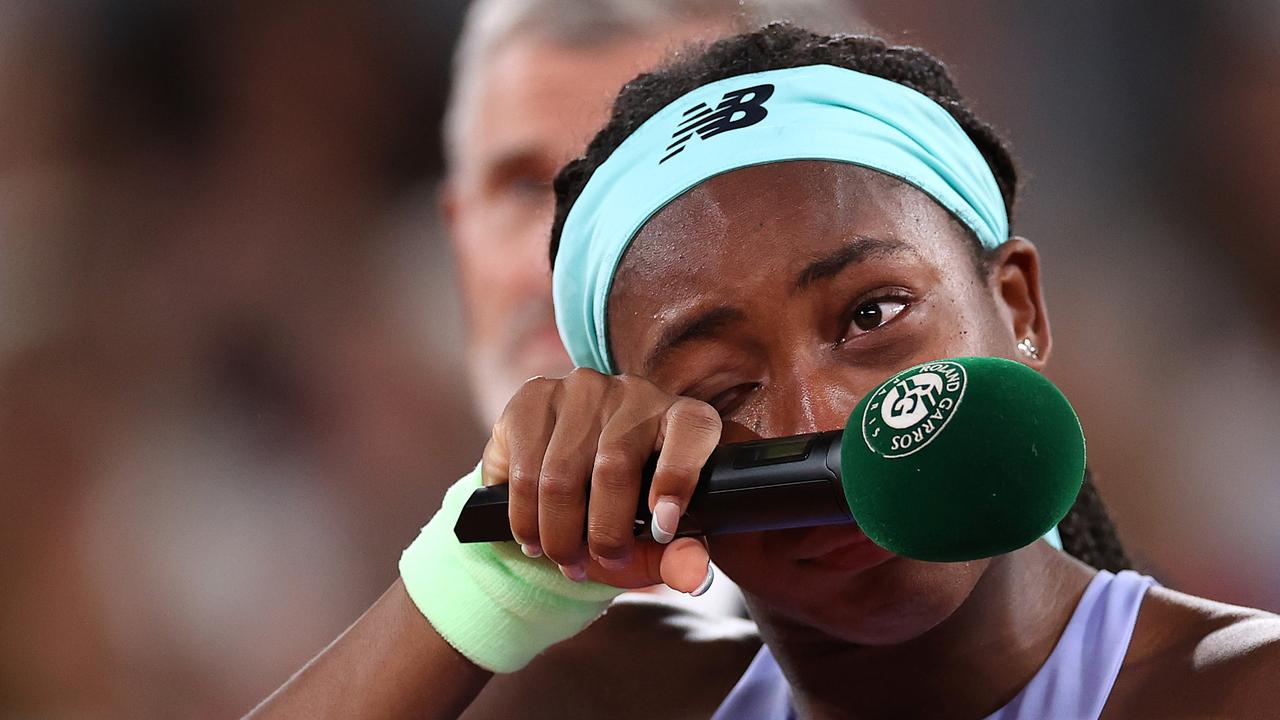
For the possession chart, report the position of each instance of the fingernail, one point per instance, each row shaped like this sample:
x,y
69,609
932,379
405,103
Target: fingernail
x,y
576,573
532,550
666,518
706,582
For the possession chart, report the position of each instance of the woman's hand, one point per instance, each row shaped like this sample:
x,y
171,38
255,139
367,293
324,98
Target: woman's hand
x,y
559,438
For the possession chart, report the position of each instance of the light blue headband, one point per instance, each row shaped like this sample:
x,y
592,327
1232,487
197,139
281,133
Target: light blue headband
x,y
816,112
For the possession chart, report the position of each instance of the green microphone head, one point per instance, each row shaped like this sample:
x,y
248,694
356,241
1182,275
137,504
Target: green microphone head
x,y
961,459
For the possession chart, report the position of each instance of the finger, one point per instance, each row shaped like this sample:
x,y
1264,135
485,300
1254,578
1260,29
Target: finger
x,y
566,472
644,570
624,448
514,456
686,566
689,433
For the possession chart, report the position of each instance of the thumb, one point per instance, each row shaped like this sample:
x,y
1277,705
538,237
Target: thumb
x,y
686,566
682,565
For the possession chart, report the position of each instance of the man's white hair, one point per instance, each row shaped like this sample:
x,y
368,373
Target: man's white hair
x,y
584,23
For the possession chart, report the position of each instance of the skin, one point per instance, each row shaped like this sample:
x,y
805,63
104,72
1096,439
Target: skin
x,y
858,632
533,106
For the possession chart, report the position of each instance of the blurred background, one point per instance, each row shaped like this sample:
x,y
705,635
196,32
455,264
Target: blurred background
x,y
233,368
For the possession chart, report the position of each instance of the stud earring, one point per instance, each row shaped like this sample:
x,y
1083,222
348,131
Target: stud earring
x,y
1028,348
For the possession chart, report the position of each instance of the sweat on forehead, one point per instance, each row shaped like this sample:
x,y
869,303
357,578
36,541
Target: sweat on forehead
x,y
780,214
800,204
783,217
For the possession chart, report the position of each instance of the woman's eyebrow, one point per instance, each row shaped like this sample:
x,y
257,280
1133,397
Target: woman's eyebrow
x,y
857,249
705,324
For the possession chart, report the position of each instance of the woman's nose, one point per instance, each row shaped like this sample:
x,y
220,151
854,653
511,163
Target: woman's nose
x,y
805,404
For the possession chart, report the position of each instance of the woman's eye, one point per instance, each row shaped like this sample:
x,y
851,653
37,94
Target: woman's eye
x,y
731,399
871,315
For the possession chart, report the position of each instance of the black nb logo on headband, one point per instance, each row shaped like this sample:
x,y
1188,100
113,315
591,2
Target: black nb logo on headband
x,y
738,109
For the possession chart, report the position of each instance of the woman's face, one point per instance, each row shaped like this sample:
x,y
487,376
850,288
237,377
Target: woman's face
x,y
781,294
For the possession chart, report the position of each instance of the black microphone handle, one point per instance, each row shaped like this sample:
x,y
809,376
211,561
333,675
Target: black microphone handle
x,y
744,487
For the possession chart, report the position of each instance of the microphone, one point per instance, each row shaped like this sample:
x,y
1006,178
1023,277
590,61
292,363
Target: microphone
x,y
947,461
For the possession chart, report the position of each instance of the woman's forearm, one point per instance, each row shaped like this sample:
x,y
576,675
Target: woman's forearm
x,y
390,664
498,607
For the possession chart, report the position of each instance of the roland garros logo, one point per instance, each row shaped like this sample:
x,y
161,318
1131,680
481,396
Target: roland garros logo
x,y
908,412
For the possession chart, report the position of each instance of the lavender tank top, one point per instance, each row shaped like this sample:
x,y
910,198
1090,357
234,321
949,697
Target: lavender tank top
x,y
1073,683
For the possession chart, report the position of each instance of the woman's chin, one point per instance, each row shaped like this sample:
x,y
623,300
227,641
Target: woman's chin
x,y
891,603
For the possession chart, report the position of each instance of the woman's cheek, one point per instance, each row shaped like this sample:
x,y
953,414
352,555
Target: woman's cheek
x,y
741,557
887,604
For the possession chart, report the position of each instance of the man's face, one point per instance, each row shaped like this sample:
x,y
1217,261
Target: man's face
x,y
536,105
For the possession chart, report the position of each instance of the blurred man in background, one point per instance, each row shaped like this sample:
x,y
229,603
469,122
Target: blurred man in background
x,y
534,80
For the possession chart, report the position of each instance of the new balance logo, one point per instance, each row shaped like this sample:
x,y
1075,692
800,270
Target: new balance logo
x,y
737,109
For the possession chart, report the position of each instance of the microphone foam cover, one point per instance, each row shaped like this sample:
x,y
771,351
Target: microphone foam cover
x,y
962,459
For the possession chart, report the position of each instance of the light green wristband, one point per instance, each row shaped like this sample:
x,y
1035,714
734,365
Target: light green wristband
x,y
490,602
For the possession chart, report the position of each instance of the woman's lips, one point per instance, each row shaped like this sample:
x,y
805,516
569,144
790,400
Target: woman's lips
x,y
841,547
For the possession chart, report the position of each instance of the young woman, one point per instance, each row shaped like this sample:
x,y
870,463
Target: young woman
x,y
760,235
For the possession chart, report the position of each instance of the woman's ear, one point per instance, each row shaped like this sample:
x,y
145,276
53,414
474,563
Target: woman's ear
x,y
1014,280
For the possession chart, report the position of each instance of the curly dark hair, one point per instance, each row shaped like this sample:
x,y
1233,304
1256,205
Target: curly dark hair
x,y
1087,531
